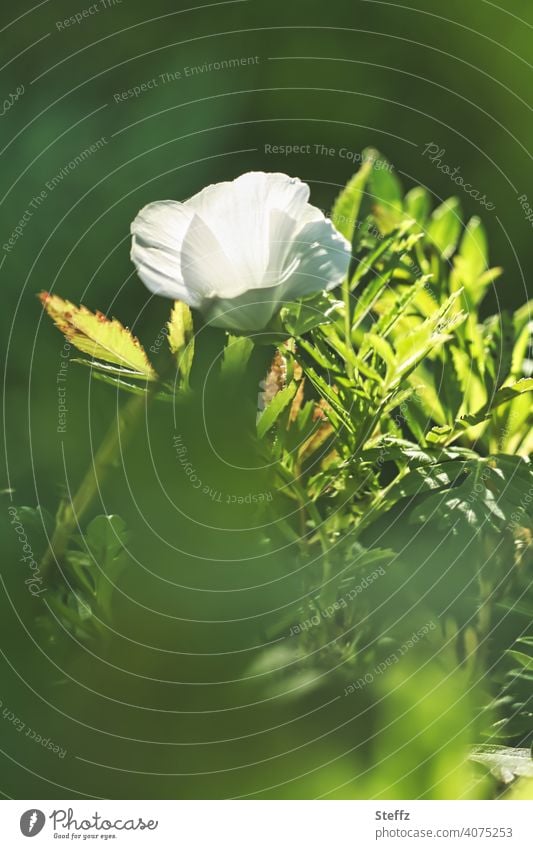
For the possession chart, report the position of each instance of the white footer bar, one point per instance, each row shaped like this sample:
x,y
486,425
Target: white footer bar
x,y
267,824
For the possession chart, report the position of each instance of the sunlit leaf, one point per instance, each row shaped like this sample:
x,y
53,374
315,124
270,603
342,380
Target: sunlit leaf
x,y
387,194
445,227
345,213
275,408
473,252
181,337
502,396
418,204
95,334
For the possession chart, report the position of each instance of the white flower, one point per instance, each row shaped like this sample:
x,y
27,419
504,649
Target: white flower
x,y
238,251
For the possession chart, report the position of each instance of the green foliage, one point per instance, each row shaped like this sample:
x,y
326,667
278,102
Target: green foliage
x,y
274,410
92,567
347,207
444,227
400,437
181,338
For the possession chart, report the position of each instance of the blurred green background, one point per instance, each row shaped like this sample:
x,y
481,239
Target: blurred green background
x,y
199,592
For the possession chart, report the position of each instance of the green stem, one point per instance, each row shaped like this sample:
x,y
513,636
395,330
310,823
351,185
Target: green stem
x,y
351,361
70,512
324,542
306,504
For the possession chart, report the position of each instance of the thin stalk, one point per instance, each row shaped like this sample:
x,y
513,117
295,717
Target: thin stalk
x,y
307,505
70,512
324,542
351,358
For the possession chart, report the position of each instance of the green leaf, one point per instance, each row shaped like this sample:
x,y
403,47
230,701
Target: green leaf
x,y
473,251
525,661
303,316
107,368
345,213
387,194
331,397
369,297
181,337
445,227
370,262
383,349
520,349
440,434
132,388
106,537
502,396
273,411
471,269
418,204
425,479
505,762
487,493
399,399
85,604
236,356
95,334
426,337
416,418
387,321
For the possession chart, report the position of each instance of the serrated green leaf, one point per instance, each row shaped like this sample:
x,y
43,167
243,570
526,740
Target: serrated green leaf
x,y
271,414
95,334
236,356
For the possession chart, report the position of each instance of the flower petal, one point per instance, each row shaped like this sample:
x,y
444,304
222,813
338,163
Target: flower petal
x,y
162,224
319,259
158,232
237,251
176,254
238,213
205,268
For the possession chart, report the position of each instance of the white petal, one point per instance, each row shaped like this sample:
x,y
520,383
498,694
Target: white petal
x,y
175,253
238,213
205,267
238,251
158,274
158,232
319,259
162,224
316,258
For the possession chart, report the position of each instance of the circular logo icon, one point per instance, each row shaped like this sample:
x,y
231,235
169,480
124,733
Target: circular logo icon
x,y
32,822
